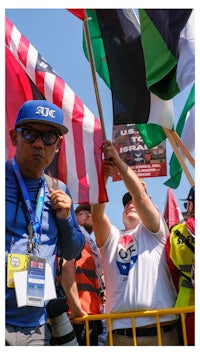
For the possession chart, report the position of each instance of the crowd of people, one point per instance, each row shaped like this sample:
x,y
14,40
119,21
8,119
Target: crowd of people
x,y
103,269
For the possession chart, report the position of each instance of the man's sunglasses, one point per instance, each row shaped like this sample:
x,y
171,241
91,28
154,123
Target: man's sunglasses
x,y
30,136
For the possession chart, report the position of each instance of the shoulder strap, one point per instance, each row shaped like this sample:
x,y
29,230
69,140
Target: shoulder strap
x,y
189,245
52,182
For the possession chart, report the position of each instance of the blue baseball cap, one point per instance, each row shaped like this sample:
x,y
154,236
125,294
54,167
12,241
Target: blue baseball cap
x,y
41,111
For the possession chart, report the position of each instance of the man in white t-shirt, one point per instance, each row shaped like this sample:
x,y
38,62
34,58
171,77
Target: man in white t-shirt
x,y
134,262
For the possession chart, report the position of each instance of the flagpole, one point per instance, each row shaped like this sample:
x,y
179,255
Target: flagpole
x,y
93,70
183,148
178,155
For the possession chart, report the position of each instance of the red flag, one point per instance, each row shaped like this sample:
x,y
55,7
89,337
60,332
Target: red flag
x,y
172,213
80,13
80,160
18,89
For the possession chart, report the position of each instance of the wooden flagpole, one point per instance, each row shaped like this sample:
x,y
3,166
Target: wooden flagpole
x,y
93,70
183,148
169,135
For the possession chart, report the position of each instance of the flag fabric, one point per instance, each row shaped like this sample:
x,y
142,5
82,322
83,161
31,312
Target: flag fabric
x,y
80,13
80,158
175,170
169,49
172,213
132,101
152,134
19,89
189,139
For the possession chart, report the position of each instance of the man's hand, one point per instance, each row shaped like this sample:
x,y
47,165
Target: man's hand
x,y
108,169
60,202
76,313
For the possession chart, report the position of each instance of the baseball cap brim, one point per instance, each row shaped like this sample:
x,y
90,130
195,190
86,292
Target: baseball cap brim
x,y
190,196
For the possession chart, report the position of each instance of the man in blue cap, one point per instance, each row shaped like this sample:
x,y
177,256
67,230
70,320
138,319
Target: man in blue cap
x,y
40,222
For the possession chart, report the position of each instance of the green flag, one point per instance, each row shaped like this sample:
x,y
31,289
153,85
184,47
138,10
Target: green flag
x,y
175,167
97,47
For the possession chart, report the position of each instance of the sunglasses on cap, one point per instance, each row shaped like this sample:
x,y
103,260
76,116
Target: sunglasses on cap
x,y
30,135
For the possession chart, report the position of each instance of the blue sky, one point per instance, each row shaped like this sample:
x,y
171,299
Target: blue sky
x,y
57,35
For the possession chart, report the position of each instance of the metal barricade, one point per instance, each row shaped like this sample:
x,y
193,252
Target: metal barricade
x,y
133,315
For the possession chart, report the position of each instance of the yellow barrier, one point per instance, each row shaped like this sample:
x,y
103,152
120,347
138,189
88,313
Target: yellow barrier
x,y
153,313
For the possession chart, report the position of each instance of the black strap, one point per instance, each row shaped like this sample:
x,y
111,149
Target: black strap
x,y
187,283
184,239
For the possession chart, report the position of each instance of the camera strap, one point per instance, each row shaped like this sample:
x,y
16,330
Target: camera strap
x,y
52,182
59,262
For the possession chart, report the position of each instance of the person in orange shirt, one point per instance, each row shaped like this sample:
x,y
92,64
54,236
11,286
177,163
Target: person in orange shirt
x,y
82,280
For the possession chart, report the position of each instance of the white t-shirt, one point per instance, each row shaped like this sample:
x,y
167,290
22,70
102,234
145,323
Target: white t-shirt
x,y
136,273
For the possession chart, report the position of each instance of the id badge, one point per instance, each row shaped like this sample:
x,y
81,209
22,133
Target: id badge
x,y
16,262
36,281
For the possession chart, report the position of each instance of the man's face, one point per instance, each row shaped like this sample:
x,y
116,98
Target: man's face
x,y
33,157
190,207
84,218
130,216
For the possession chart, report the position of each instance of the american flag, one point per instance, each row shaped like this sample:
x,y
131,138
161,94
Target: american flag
x,y
80,158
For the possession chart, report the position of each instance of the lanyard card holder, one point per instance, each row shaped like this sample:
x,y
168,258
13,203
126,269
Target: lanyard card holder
x,y
36,281
16,262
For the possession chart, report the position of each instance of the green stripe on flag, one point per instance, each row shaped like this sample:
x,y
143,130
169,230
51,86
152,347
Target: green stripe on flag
x,y
175,167
160,63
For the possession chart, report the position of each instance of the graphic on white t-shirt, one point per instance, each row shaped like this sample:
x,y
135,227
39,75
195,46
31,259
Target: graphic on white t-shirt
x,y
127,253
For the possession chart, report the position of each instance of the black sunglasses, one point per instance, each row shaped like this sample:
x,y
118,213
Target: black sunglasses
x,y
30,135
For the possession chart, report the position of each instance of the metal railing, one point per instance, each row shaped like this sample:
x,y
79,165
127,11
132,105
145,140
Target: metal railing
x,y
133,315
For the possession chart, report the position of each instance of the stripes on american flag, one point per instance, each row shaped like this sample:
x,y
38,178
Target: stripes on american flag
x,y
80,158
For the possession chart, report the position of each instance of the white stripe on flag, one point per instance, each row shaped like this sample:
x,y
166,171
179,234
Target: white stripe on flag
x,y
31,62
188,133
161,111
186,62
49,81
88,144
68,106
16,36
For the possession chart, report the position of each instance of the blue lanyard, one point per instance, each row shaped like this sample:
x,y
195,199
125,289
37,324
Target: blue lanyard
x,y
34,217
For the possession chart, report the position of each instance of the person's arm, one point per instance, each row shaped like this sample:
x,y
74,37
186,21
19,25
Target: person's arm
x,y
69,285
101,223
145,208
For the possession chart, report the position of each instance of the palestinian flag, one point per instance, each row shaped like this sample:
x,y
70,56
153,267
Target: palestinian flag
x,y
132,101
152,134
169,50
